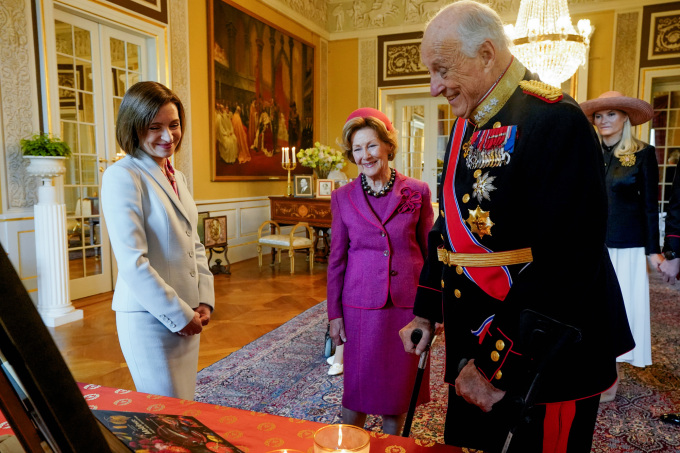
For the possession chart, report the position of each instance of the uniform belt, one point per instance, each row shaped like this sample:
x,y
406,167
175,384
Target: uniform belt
x,y
490,259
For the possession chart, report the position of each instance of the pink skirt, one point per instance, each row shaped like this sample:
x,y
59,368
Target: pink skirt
x,y
378,374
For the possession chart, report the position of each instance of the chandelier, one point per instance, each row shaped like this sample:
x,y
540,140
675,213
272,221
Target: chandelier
x,y
546,42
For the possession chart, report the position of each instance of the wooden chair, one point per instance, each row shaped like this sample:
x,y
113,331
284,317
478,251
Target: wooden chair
x,y
288,242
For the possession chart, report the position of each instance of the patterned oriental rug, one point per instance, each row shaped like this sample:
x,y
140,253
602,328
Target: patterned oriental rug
x,y
284,373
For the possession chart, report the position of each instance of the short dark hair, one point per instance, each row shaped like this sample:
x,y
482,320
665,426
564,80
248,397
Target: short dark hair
x,y
354,124
140,105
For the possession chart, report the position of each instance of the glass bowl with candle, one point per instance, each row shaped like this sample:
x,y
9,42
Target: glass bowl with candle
x,y
341,439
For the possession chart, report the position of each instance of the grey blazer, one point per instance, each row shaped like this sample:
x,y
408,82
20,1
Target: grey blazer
x,y
162,266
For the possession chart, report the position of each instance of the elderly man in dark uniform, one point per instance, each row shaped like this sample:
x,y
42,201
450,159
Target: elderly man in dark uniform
x,y
517,270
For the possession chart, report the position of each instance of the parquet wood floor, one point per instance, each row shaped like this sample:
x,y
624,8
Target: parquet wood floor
x,y
249,303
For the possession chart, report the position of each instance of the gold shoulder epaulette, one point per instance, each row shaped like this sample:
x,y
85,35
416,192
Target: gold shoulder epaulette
x,y
541,90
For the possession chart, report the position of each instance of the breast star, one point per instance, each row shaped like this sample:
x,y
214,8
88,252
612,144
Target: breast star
x,y
480,222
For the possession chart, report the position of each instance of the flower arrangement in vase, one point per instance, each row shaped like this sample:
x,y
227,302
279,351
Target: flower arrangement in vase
x,y
322,159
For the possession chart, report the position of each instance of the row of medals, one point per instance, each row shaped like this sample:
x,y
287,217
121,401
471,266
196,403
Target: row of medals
x,y
475,159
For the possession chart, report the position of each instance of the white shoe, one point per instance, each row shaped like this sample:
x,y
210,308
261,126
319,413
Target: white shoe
x,y
335,369
330,360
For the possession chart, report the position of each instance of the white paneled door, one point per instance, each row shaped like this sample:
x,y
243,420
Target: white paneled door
x,y
424,124
95,65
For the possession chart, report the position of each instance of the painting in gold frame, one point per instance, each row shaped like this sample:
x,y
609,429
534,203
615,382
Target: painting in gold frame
x,y
261,91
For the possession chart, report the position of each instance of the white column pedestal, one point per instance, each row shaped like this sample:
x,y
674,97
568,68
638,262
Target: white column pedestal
x,y
54,302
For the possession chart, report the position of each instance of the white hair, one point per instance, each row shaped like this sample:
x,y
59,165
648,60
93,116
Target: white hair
x,y
475,23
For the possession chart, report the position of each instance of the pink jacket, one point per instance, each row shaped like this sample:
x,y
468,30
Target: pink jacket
x,y
371,259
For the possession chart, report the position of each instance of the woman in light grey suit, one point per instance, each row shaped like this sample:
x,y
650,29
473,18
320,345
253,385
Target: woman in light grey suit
x,y
164,293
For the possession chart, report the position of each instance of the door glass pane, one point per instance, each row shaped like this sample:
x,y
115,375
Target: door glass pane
x,y
85,108
132,57
125,70
83,47
412,142
64,37
90,174
87,141
84,75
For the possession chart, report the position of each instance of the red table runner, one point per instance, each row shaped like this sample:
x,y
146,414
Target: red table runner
x,y
252,432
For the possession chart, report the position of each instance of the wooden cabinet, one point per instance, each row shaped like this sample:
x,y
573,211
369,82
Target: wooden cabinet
x,y
315,211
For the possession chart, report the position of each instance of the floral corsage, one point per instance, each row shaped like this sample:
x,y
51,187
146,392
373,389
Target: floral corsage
x,y
411,200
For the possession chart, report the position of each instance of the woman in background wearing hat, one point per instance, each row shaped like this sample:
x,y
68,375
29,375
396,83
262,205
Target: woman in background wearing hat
x,y
379,236
632,178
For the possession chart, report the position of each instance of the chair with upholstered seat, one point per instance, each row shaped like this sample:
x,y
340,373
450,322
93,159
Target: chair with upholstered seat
x,y
288,242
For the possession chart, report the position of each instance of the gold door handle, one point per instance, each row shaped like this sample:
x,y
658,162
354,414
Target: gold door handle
x,y
101,169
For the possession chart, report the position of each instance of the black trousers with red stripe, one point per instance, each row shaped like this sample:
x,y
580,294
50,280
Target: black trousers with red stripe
x,y
556,428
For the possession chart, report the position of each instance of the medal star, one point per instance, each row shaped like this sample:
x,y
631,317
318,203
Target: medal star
x,y
480,222
483,187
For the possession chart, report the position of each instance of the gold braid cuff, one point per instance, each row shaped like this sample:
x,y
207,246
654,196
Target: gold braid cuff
x,y
491,259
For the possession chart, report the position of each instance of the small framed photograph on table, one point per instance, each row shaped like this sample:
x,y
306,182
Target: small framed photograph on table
x,y
324,187
303,186
215,231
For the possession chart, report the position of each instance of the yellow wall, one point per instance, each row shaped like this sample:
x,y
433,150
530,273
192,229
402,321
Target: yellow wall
x,y
343,90
601,45
204,188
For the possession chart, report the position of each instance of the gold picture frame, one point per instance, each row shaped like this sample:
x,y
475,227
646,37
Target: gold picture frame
x,y
324,188
215,231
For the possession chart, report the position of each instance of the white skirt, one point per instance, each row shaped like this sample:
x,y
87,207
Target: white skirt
x,y
631,270
160,362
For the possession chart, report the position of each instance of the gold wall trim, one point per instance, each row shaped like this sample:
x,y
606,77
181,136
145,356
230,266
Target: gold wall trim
x,y
17,219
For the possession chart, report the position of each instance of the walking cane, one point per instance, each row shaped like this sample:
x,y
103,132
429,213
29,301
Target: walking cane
x,y
416,336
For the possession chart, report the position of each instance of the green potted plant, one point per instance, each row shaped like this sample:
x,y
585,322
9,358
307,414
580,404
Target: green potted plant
x,y
47,154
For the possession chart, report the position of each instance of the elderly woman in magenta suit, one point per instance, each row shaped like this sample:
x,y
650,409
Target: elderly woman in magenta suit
x,y
379,235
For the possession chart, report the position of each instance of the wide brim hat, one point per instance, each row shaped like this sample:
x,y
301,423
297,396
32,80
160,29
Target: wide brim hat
x,y
638,111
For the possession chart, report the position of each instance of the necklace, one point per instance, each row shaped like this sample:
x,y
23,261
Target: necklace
x,y
386,188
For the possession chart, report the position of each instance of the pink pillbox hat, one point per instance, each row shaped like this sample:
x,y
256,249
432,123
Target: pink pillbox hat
x,y
367,111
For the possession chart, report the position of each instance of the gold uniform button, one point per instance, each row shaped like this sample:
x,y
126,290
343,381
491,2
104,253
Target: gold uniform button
x,y
497,124
457,293
477,173
459,270
441,212
495,356
498,375
442,283
466,198
500,345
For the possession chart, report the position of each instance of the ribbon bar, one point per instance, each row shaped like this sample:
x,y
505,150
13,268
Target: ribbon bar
x,y
490,259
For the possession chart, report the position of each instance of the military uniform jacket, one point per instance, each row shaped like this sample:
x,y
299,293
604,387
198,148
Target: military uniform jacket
x,y
672,234
548,195
632,194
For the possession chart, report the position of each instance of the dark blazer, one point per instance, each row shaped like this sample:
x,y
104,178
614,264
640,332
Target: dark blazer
x,y
672,233
371,259
549,197
633,207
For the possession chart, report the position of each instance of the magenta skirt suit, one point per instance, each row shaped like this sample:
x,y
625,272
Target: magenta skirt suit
x,y
378,246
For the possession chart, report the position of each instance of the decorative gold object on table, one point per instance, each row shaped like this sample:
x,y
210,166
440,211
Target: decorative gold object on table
x,y
341,439
289,165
